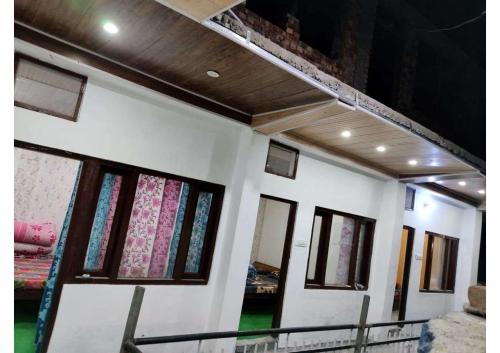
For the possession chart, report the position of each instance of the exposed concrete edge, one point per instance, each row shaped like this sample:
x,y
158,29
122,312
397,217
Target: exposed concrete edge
x,y
347,93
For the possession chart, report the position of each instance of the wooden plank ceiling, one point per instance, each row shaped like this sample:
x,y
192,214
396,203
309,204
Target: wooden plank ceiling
x,y
473,187
165,45
344,130
162,43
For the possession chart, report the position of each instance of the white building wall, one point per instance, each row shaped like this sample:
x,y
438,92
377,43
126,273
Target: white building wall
x,y
454,219
122,122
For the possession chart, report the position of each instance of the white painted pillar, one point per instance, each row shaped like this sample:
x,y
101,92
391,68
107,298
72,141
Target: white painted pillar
x,y
385,253
468,255
235,255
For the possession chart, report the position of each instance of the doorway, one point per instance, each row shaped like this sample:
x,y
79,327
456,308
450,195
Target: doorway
x,y
403,274
44,188
267,270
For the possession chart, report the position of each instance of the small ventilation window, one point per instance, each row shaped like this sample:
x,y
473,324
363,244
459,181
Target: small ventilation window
x,y
282,160
409,199
47,89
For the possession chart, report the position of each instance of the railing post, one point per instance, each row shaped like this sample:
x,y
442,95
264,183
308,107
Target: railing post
x,y
133,316
362,324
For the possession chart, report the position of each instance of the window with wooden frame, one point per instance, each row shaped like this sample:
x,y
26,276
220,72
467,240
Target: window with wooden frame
x,y
147,227
439,263
47,88
340,251
282,160
409,199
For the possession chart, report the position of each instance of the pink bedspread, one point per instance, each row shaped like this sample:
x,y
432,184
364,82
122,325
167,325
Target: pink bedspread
x,y
42,234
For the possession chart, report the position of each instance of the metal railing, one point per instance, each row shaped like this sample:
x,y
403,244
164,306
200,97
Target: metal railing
x,y
357,338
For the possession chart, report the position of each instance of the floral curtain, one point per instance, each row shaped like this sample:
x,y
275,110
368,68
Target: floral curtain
x,y
48,291
142,227
42,187
198,232
177,232
103,220
346,237
166,224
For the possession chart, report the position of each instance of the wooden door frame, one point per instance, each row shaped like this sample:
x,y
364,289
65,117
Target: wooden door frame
x,y
406,272
285,257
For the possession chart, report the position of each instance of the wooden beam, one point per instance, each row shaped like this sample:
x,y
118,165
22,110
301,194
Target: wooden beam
x,y
290,119
451,193
420,178
101,63
200,10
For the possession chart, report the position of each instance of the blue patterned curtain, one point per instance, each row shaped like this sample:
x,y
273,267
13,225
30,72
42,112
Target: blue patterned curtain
x,y
198,232
48,291
177,230
100,218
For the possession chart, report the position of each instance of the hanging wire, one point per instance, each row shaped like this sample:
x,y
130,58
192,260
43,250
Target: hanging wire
x,y
456,26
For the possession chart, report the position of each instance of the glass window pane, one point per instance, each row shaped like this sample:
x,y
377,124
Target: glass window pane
x,y
198,233
360,255
103,221
281,160
166,227
313,253
157,217
179,221
437,264
409,198
339,251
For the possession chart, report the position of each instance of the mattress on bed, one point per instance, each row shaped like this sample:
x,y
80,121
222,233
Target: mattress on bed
x,y
262,284
31,273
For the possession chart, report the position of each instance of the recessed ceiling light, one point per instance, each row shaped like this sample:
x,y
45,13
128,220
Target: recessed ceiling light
x,y
346,133
439,181
434,164
213,73
110,27
381,149
412,162
431,178
481,191
462,183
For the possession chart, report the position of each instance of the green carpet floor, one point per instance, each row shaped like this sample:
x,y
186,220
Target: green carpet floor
x,y
25,314
255,320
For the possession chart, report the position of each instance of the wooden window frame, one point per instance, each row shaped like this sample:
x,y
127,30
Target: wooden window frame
x,y
283,146
74,117
318,282
130,175
80,227
450,263
73,257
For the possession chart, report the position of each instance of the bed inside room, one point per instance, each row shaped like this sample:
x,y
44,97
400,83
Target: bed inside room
x,y
43,185
261,299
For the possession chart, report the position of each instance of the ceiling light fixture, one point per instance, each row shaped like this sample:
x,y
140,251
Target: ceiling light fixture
x,y
381,149
412,162
434,164
110,27
213,74
431,179
346,133
482,192
462,183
